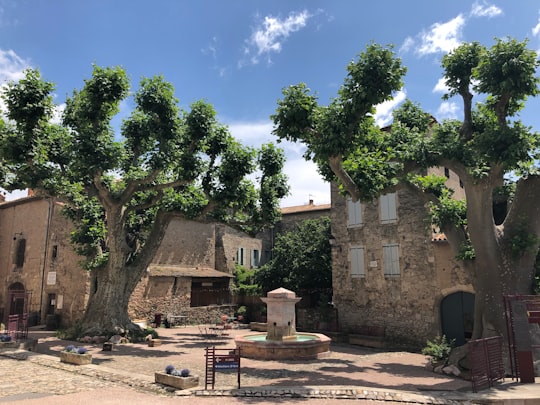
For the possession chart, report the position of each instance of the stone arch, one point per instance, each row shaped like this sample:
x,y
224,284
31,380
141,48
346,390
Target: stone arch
x,y
457,316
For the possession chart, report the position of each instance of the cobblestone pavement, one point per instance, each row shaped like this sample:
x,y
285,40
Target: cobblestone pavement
x,y
347,372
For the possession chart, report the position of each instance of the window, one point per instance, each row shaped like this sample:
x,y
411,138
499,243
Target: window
x,y
255,258
391,259
18,258
447,172
240,256
387,203
358,269
354,210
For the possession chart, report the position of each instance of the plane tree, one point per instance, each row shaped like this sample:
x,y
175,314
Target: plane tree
x,y
490,149
121,190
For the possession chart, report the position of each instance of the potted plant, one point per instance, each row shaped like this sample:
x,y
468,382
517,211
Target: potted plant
x,y
7,342
241,313
177,378
75,355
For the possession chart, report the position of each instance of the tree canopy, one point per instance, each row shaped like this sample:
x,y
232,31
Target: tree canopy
x,y
301,260
487,149
122,189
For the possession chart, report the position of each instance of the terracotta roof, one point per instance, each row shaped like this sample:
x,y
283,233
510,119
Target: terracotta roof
x,y
438,237
159,270
305,208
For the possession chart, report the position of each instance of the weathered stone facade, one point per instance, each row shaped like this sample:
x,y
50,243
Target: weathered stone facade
x,y
36,256
406,305
194,255
193,267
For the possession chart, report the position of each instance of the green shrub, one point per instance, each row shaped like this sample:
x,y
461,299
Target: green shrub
x,y
438,349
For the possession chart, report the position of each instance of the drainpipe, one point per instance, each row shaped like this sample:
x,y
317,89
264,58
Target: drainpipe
x,y
45,256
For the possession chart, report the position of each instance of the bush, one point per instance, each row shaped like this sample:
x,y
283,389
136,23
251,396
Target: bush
x,y
438,349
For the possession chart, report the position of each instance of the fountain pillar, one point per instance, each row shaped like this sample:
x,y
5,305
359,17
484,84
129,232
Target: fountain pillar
x,y
280,314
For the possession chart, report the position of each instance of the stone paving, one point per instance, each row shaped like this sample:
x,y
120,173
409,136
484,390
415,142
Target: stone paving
x,y
346,373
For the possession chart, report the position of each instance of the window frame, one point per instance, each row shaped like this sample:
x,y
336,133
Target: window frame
x,y
388,208
391,260
354,213
357,260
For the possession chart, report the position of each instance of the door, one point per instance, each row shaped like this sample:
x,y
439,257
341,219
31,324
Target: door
x,y
457,317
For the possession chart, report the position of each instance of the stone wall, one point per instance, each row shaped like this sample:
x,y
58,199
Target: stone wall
x,y
50,264
188,244
405,306
228,243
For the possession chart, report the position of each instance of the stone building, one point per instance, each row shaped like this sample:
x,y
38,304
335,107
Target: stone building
x,y
394,276
39,268
193,267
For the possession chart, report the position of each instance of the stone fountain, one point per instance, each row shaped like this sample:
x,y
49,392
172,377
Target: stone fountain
x,y
281,341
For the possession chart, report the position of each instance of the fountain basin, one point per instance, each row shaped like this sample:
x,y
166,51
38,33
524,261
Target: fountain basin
x,y
300,346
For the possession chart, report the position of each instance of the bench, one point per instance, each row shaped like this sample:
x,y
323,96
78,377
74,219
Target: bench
x,y
368,336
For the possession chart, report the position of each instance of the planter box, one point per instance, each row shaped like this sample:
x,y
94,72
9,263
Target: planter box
x,y
177,382
12,344
75,358
154,342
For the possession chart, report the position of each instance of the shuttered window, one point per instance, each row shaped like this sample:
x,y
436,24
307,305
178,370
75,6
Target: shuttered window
x,y
240,256
255,258
358,269
387,203
354,210
391,259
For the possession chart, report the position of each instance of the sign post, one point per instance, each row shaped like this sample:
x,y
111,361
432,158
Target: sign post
x,y
228,361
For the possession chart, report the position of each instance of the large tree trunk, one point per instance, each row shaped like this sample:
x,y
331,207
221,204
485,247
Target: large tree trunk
x,y
111,286
110,291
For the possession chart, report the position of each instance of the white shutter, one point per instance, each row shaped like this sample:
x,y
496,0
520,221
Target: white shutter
x,y
354,210
387,204
357,262
391,260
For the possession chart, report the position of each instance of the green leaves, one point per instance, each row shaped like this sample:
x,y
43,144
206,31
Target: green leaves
x,y
301,259
115,186
508,68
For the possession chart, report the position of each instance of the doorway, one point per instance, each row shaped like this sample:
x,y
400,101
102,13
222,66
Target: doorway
x,y
17,299
457,317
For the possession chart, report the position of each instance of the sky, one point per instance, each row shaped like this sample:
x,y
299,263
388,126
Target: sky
x,y
239,55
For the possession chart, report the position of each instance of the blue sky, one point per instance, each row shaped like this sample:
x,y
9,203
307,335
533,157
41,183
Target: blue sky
x,y
239,55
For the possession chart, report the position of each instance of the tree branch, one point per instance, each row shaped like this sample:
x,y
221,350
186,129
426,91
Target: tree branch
x,y
525,204
336,164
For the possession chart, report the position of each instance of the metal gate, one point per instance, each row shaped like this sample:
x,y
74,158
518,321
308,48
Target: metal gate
x,y
486,362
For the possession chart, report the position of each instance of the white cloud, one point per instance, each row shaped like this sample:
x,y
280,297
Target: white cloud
x,y
447,110
211,48
14,195
483,9
304,180
441,87
442,37
305,183
269,36
536,29
407,45
11,65
383,111
11,69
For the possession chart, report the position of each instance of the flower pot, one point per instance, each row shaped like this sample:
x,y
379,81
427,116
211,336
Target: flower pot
x,y
154,342
176,381
75,358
